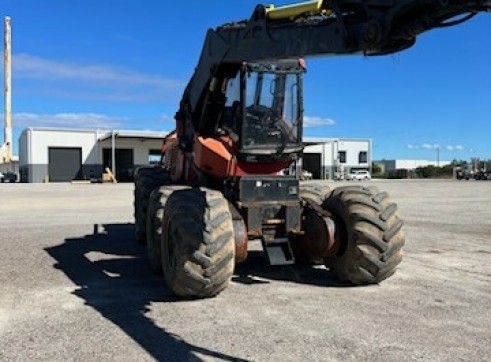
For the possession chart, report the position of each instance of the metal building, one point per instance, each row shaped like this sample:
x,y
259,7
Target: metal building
x,y
332,158
61,155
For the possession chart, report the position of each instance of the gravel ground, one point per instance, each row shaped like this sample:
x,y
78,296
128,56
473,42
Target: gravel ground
x,y
75,286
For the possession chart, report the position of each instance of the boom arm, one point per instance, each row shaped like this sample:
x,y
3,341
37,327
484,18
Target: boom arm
x,y
323,27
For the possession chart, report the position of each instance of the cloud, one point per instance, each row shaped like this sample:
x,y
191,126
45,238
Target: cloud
x,y
434,146
430,146
94,81
72,120
35,67
317,121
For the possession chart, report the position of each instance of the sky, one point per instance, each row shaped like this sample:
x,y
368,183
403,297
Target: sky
x,y
123,64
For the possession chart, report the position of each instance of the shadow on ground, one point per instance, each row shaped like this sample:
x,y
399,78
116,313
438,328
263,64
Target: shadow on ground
x,y
257,271
111,272
114,278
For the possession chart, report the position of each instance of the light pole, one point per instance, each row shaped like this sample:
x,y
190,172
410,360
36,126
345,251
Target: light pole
x,y
7,156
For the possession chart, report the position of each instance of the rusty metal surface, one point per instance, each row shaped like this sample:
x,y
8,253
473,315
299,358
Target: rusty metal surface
x,y
332,240
254,233
250,204
241,237
241,240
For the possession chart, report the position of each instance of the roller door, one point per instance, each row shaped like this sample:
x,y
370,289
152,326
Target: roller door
x,y
64,164
312,163
124,163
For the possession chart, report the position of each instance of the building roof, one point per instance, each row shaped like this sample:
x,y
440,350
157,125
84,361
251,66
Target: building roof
x,y
133,134
308,141
107,134
104,134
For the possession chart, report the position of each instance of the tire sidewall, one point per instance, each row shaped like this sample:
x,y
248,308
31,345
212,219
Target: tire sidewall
x,y
344,261
153,237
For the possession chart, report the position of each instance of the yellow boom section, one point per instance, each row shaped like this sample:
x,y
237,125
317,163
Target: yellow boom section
x,y
294,10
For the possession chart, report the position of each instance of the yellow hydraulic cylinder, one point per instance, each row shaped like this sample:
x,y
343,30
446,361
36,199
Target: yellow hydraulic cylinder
x,y
294,10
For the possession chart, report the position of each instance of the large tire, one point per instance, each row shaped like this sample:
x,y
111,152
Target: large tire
x,y
369,232
155,217
146,180
198,248
308,248
317,193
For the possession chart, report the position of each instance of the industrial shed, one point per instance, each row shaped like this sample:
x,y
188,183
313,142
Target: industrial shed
x,y
332,158
405,168
63,155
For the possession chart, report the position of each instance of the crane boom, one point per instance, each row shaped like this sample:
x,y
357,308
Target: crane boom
x,y
321,27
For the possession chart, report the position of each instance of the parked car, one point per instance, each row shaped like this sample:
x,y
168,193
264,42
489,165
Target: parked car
x,y
359,175
8,177
482,175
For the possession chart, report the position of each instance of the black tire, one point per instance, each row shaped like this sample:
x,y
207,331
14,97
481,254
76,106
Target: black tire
x,y
317,193
307,248
198,248
154,220
370,231
146,180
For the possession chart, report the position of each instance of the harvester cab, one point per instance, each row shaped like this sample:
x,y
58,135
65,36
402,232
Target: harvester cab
x,y
265,113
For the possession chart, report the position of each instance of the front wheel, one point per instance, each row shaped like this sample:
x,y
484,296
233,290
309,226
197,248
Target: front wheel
x,y
369,234
197,246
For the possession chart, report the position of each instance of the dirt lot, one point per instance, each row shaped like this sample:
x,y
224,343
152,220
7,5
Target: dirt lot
x,y
75,286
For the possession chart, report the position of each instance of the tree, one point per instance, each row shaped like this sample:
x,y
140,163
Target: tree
x,y
435,172
376,169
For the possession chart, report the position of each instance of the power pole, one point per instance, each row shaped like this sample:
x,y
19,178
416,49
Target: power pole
x,y
7,156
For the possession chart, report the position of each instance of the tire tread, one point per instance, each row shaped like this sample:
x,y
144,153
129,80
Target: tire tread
x,y
374,237
203,242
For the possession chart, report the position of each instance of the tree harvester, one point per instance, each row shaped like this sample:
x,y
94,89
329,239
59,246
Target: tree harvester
x,y
239,124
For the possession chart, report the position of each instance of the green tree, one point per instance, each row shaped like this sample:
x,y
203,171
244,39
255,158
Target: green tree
x,y
435,172
376,170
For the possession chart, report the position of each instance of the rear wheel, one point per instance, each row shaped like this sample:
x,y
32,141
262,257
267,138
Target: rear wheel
x,y
155,216
309,247
369,232
197,248
317,193
146,180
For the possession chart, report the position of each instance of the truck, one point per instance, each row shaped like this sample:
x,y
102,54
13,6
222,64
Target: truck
x,y
239,123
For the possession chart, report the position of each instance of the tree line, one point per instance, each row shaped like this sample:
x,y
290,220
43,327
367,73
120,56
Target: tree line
x,y
446,171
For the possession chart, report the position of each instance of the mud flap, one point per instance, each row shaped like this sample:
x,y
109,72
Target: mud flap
x,y
278,251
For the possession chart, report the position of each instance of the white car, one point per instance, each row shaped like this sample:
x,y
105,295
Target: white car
x,y
359,175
